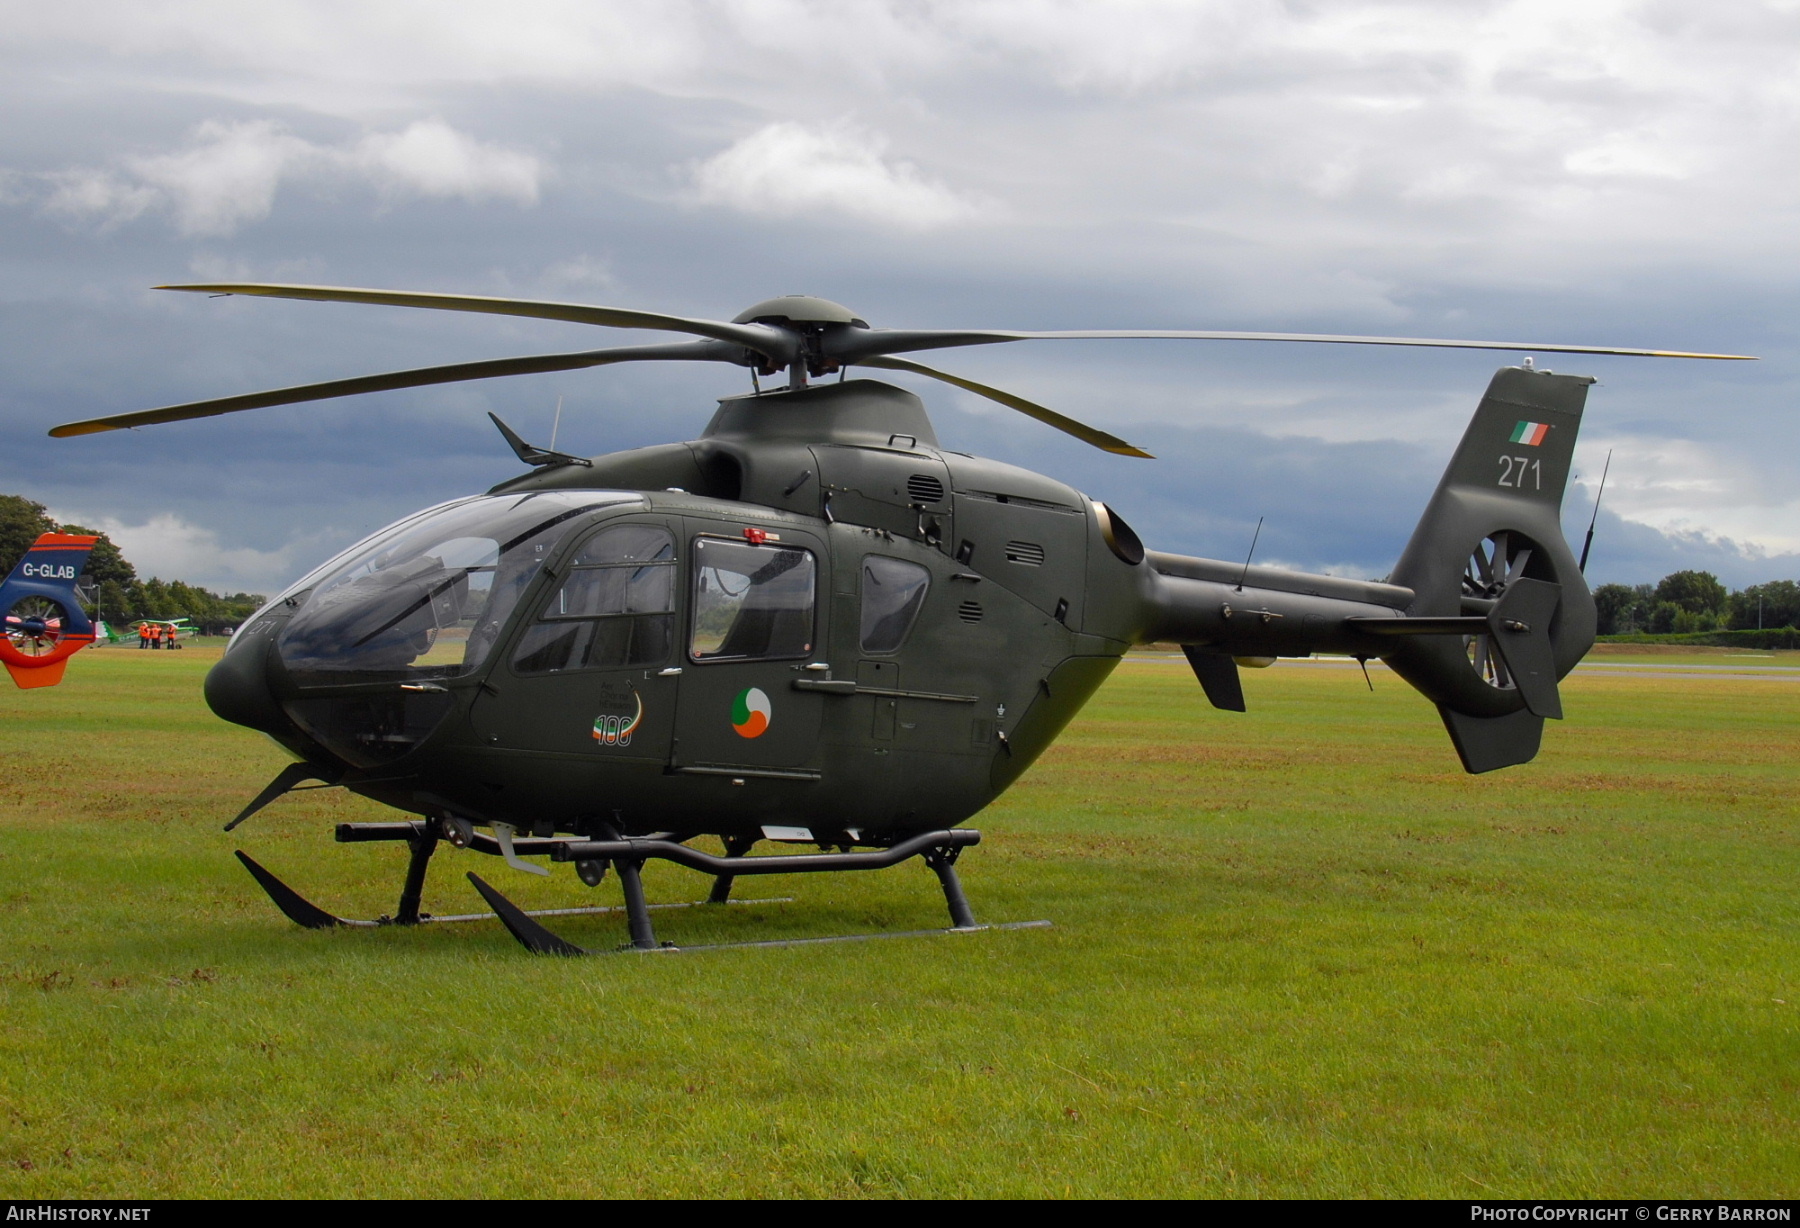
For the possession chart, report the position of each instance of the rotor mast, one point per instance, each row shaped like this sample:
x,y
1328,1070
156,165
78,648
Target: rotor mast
x,y
809,318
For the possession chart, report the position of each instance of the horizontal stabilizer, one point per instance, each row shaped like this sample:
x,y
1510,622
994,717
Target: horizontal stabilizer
x,y
1388,628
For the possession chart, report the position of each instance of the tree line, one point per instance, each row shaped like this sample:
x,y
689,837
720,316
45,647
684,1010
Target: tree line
x,y
111,584
1685,602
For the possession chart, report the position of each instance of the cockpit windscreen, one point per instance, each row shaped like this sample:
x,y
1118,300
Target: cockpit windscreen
x,y
430,600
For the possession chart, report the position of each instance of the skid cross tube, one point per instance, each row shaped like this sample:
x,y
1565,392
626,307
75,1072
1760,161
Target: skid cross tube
x,y
943,861
524,846
423,846
637,912
735,846
737,867
628,855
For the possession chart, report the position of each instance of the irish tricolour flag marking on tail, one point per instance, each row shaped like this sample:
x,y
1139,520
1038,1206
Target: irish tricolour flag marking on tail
x,y
1531,434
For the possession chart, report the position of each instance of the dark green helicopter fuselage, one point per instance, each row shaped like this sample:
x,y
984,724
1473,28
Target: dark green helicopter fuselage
x,y
811,616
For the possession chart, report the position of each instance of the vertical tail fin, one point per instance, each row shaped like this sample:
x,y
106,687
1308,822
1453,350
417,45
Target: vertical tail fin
x,y
1496,521
42,623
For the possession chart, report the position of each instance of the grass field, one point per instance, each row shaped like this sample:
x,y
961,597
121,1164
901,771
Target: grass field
x,y
1296,952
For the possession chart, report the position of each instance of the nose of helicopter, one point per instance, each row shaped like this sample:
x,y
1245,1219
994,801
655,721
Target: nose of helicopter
x,y
237,689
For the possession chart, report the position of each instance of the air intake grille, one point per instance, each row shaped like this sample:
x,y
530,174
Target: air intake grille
x,y
1029,553
969,611
923,488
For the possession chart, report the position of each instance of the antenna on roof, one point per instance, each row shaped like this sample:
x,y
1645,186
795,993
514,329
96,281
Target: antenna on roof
x,y
1251,555
1589,543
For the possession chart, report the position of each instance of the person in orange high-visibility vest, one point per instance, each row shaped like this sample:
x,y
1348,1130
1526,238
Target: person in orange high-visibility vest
x,y
143,635
156,633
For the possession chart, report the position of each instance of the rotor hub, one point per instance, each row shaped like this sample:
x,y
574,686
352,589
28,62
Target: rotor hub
x,y
796,311
809,318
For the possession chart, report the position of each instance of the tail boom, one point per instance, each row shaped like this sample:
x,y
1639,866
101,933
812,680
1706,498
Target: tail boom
x,y
1487,609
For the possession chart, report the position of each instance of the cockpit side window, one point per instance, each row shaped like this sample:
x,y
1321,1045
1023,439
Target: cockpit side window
x,y
893,591
752,602
615,608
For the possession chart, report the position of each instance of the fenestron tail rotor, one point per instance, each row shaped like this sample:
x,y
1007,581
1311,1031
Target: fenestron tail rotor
x,y
803,335
1496,562
34,626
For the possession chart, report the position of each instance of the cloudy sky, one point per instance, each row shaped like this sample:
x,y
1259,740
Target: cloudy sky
x,y
1595,172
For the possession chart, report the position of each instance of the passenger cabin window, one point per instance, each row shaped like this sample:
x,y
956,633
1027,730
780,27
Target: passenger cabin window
x,y
615,608
751,602
892,593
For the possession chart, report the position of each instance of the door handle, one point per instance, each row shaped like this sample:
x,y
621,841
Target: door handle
x,y
828,686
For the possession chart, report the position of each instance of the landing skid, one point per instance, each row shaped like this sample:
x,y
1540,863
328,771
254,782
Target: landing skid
x,y
938,849
303,912
540,941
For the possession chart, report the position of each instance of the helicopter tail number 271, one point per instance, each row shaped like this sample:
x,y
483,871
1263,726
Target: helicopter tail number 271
x,y
814,623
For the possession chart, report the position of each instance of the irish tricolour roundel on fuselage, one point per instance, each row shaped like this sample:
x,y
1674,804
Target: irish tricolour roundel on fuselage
x,y
750,713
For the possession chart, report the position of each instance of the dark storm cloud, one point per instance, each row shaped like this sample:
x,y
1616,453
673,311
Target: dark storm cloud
x,y
1506,170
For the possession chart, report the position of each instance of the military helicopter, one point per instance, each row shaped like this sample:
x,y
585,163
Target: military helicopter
x,y
816,624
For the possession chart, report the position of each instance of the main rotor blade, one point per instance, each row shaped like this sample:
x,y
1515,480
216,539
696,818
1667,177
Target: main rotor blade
x,y
690,351
1049,417
853,347
778,346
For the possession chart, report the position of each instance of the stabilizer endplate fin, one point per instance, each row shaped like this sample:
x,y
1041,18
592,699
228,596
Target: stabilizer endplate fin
x,y
1218,675
1521,631
45,675
1485,743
